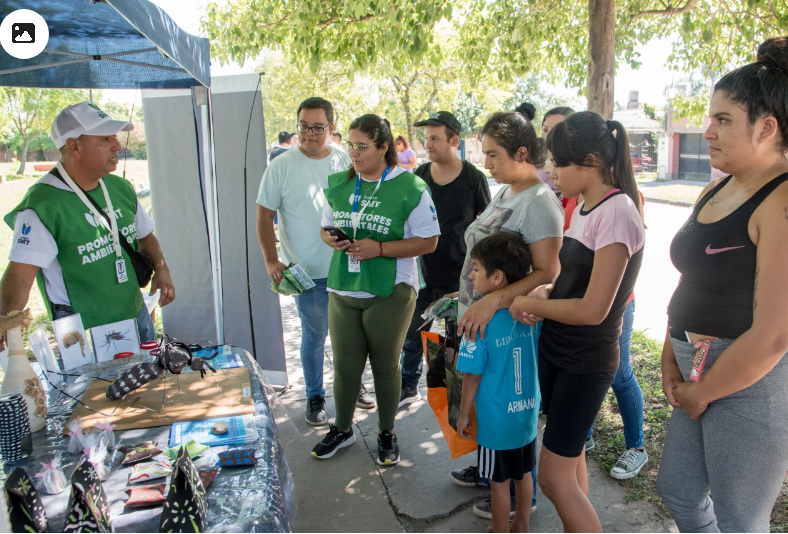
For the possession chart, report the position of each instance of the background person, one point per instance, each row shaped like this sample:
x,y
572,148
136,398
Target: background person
x,y
525,206
460,193
54,232
405,155
726,449
578,346
284,146
373,281
291,185
550,119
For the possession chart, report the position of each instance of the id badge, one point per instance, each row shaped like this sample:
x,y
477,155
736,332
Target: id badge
x,y
353,266
120,270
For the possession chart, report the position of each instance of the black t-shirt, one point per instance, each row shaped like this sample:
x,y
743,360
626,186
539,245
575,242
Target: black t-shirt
x,y
278,151
580,349
457,205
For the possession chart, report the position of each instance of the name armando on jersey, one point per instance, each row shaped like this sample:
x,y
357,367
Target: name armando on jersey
x,y
522,405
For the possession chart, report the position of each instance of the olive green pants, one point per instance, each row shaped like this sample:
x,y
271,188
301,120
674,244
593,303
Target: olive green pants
x,y
375,327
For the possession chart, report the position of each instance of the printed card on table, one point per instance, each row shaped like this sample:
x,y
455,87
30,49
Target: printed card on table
x,y
111,339
72,341
45,355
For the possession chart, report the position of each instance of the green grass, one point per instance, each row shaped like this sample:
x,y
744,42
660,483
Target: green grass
x,y
609,431
11,194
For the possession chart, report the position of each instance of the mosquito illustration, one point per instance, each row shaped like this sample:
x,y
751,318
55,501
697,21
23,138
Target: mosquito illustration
x,y
111,337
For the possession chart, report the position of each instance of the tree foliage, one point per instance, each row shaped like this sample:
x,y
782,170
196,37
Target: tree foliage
x,y
505,38
31,111
359,33
402,98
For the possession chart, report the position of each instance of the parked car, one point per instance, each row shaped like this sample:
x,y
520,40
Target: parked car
x,y
637,161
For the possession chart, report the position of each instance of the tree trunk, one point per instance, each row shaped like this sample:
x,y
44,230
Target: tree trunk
x,y
409,116
601,56
23,157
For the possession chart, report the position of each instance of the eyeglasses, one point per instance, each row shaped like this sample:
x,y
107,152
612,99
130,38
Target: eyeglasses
x,y
358,147
317,130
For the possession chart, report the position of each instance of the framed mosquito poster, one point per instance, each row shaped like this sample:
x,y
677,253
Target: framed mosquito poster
x,y
112,339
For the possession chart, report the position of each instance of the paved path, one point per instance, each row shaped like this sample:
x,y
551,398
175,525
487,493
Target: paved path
x,y
658,278
349,493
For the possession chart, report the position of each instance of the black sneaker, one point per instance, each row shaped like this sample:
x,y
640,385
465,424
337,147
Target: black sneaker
x,y
332,442
484,509
388,450
408,396
365,399
316,411
468,477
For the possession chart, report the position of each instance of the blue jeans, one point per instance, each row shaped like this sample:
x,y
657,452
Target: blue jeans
x,y
312,307
626,387
144,323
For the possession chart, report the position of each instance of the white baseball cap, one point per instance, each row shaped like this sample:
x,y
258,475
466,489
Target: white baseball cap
x,y
85,118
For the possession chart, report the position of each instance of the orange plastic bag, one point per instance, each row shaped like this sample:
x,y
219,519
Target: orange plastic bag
x,y
436,397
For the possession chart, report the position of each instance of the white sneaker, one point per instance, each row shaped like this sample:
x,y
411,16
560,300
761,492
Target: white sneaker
x,y
629,464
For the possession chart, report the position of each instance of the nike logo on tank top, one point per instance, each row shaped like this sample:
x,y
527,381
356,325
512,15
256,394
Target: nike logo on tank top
x,y
717,264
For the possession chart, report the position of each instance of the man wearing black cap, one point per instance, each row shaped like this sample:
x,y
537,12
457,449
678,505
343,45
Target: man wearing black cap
x,y
460,193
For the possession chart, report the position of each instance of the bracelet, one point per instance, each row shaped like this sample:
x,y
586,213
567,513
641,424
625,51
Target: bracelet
x,y
381,249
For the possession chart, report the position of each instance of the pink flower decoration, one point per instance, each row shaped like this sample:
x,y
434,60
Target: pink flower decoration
x,y
104,426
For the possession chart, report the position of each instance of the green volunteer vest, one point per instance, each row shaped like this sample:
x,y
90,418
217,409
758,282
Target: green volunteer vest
x,y
383,220
85,251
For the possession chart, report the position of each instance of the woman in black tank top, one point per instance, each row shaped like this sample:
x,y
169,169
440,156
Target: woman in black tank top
x,y
728,435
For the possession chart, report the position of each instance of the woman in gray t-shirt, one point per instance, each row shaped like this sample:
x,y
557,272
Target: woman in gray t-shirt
x,y
525,206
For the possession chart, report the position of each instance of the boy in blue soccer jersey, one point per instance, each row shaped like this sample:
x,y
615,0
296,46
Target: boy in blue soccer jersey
x,y
500,375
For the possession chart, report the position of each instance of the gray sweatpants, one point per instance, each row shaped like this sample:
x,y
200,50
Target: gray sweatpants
x,y
723,472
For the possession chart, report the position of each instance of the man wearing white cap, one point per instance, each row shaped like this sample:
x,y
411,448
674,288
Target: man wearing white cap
x,y
63,241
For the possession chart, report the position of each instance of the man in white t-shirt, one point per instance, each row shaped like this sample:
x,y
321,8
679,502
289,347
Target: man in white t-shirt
x,y
293,186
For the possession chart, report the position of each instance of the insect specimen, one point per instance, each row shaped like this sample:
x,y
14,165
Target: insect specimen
x,y
111,337
72,338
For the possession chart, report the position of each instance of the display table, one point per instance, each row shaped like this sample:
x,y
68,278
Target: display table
x,y
250,499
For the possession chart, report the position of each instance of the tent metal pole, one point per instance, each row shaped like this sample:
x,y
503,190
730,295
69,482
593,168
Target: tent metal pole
x,y
88,58
103,56
138,64
43,66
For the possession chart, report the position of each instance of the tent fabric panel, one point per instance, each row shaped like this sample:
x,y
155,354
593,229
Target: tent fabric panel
x,y
173,168
103,28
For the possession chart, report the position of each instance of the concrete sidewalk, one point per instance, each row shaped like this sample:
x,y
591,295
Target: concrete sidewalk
x,y
349,493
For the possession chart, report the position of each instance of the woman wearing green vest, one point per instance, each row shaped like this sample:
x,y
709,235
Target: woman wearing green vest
x,y
388,214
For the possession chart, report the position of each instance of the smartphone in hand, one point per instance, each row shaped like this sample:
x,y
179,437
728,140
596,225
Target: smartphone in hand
x,y
336,232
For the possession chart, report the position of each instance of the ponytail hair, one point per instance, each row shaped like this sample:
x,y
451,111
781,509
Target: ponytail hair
x,y
588,140
513,129
379,130
401,139
527,110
